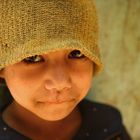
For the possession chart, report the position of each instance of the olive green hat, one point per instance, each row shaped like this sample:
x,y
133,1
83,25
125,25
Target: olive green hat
x,y
31,27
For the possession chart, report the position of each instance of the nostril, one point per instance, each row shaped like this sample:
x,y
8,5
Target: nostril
x,y
57,86
58,91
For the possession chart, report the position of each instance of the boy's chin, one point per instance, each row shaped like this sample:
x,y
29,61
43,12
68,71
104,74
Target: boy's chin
x,y
56,112
58,115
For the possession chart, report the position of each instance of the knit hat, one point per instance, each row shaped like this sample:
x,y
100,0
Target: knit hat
x,y
34,27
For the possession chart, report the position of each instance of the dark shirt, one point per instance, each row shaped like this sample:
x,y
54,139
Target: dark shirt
x,y
99,122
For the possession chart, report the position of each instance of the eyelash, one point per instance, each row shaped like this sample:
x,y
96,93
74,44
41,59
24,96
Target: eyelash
x,y
71,55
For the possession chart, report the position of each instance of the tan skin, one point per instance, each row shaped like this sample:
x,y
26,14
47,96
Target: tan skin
x,y
46,90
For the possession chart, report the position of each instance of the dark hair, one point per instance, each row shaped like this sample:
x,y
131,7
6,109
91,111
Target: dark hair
x,y
5,96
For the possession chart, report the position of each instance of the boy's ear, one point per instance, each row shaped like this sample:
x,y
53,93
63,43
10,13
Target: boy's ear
x,y
2,73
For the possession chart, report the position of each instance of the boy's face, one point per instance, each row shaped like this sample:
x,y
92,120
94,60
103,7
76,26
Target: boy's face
x,y
50,85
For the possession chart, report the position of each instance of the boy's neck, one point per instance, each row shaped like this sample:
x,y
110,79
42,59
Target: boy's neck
x,y
28,124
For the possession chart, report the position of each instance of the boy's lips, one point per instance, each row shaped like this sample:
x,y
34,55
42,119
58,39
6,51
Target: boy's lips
x,y
55,101
58,102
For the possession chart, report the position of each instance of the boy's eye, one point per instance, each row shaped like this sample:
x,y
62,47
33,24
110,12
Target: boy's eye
x,y
76,54
37,58
33,59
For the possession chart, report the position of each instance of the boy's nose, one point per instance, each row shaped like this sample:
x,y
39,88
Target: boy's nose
x,y
58,78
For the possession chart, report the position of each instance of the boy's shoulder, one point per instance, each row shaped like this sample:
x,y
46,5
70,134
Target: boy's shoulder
x,y
7,133
100,109
100,120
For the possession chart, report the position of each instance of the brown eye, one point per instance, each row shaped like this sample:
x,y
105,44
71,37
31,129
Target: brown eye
x,y
33,59
76,54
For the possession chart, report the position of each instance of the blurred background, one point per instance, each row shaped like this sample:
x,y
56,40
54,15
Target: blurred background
x,y
119,83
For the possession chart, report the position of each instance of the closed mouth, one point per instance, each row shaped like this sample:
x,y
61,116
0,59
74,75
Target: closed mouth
x,y
55,102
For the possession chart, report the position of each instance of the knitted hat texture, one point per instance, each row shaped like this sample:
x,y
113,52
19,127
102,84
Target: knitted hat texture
x,y
33,27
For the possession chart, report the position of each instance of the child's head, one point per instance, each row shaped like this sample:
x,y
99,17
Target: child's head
x,y
48,53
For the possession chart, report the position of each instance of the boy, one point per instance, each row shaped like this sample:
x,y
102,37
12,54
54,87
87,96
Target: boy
x,y
49,56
